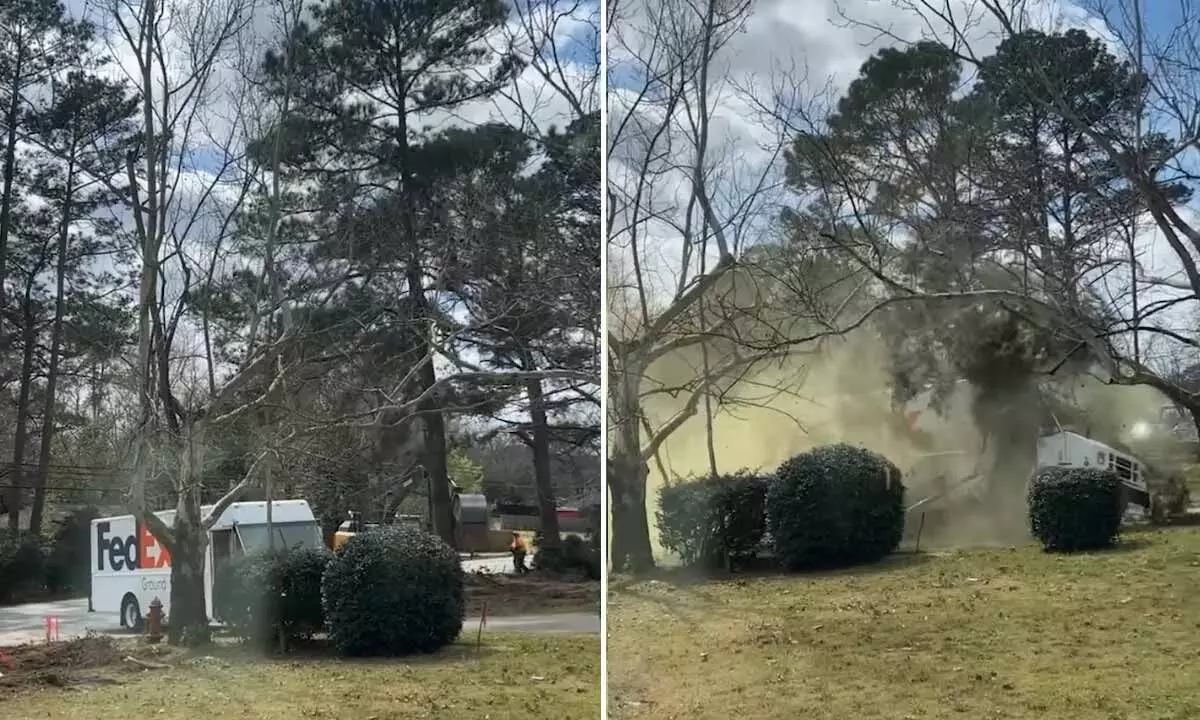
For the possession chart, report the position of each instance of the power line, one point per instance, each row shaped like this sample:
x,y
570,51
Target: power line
x,y
63,488
89,468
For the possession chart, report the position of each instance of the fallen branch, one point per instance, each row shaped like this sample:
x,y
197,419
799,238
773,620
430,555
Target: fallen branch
x,y
145,664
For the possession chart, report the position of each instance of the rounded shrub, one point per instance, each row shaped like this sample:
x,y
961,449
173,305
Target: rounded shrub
x,y
393,591
573,555
22,567
708,520
243,595
298,575
835,506
68,562
1075,508
260,594
579,555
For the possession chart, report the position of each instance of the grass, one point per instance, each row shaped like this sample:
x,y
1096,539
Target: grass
x,y
1012,633
511,676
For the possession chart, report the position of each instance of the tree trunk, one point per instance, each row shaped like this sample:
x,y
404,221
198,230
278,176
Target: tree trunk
x,y
13,498
627,474
39,490
547,497
21,437
630,550
10,171
1011,423
188,624
435,447
189,614
435,461
710,438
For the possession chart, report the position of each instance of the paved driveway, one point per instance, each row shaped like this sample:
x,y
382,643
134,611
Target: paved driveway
x,y
21,624
26,623
490,564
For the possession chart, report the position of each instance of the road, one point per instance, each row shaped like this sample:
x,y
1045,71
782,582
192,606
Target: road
x,y
496,563
27,623
576,623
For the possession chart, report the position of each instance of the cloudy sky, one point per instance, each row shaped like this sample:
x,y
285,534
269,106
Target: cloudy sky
x,y
571,51
797,53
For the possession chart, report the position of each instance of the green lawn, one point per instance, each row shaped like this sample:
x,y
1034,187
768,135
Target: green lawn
x,y
512,676
1013,633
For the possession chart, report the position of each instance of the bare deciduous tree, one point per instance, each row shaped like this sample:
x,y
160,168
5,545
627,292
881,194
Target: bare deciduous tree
x,y
180,55
674,254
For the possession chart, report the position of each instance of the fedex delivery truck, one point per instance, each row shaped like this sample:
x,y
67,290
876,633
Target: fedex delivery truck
x,y
130,568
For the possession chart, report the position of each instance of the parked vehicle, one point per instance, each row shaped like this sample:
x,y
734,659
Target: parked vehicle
x,y
132,568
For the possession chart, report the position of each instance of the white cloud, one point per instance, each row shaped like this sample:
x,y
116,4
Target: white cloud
x,y
221,117
820,44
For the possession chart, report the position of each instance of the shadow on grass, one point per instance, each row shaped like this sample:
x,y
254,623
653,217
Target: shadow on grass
x,y
689,594
693,597
761,569
1129,542
321,650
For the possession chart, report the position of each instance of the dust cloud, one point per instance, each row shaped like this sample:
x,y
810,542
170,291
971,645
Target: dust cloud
x,y
1110,413
843,394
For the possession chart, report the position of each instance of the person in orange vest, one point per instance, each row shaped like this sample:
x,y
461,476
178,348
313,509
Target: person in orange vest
x,y
518,552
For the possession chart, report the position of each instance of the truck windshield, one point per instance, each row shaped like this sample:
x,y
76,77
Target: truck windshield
x,y
287,536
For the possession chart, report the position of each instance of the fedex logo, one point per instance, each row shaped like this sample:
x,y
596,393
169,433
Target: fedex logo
x,y
141,550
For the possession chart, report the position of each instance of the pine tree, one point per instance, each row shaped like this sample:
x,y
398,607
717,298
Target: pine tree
x,y
87,128
369,71
36,39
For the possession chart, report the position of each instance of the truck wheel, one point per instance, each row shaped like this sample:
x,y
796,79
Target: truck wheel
x,y
131,613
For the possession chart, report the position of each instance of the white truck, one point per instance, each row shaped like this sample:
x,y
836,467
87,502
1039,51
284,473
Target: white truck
x,y
1068,449
1060,449
130,568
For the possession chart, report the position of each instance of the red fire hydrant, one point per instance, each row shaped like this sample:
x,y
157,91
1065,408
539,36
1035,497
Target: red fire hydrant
x,y
154,621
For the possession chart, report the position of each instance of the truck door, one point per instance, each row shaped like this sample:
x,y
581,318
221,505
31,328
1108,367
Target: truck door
x,y
221,548
222,554
238,542
227,546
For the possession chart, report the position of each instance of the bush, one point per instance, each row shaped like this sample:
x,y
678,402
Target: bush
x,y
835,506
393,591
243,591
22,567
260,594
703,521
298,578
68,563
573,555
1075,508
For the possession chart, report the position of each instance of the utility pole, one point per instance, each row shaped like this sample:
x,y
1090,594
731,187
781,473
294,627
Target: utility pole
x,y
270,493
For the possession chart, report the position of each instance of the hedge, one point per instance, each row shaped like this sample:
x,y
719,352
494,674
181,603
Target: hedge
x,y
835,506
68,568
393,590
1075,508
261,594
572,555
242,596
22,567
300,572
710,520
54,564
